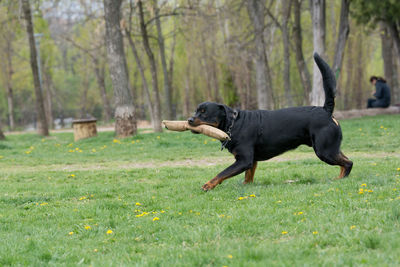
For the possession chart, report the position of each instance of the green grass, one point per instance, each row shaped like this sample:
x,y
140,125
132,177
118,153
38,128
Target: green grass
x,y
47,192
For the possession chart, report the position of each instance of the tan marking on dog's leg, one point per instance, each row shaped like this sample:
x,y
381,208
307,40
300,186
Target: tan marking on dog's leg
x,y
249,176
342,172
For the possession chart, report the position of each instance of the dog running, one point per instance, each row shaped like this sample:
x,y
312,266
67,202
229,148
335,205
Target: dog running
x,y
258,135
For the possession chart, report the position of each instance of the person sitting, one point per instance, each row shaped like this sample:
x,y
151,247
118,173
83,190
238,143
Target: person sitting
x,y
382,93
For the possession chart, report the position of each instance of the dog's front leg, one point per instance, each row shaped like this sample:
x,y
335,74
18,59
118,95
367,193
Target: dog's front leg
x,y
240,165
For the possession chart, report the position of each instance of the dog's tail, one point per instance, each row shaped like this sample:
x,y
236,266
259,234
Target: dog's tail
x,y
329,82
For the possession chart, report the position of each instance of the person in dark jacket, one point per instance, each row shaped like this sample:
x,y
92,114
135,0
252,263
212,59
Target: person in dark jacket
x,y
382,93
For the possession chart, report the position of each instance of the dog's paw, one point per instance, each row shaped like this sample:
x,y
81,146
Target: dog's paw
x,y
207,186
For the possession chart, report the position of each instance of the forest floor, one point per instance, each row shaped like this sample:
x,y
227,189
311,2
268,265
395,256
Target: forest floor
x,y
137,201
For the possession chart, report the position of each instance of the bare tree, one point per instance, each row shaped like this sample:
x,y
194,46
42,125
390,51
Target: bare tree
x,y
298,48
344,30
166,75
95,55
286,6
318,22
389,62
7,68
256,10
153,69
41,116
125,117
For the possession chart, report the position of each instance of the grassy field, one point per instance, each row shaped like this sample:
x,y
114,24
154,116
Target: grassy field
x,y
137,201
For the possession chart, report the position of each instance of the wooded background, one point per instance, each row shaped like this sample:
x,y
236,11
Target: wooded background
x,y
152,60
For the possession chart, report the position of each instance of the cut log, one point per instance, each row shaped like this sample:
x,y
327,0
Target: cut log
x,y
357,113
84,128
208,130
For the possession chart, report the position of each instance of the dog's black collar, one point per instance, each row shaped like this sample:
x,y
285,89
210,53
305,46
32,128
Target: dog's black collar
x,y
234,116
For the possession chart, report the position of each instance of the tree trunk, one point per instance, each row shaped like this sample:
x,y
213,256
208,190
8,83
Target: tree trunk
x,y
298,47
85,89
144,80
358,79
100,74
347,94
153,69
48,82
389,62
394,32
318,22
41,116
10,96
161,45
125,117
255,10
286,6
2,136
344,30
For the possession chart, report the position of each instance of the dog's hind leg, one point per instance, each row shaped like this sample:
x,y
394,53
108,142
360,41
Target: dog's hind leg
x,y
345,165
249,176
339,159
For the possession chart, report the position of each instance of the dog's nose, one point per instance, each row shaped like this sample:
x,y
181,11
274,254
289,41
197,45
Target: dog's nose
x,y
191,120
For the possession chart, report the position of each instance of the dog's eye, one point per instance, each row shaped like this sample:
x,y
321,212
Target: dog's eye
x,y
202,111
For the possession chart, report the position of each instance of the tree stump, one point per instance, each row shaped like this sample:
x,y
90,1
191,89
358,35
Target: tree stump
x,y
84,128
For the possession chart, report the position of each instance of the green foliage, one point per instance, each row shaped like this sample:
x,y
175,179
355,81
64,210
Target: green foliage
x,y
373,11
59,207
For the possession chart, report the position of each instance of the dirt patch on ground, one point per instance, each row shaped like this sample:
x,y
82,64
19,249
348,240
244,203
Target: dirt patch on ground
x,y
203,162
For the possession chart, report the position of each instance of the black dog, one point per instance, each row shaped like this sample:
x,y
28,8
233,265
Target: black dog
x,y
261,134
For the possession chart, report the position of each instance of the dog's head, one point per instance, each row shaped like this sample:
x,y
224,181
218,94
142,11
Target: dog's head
x,y
209,113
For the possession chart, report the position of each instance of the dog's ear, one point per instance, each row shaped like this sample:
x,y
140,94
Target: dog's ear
x,y
224,108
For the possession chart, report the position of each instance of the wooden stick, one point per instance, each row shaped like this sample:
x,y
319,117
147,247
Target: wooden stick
x,y
208,130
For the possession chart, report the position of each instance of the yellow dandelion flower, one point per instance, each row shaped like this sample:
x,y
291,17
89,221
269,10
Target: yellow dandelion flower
x,y
71,150
95,250
133,142
381,127
252,195
71,175
82,198
279,201
352,227
205,142
284,232
70,144
156,219
158,137
28,152
44,204
71,233
370,190
222,215
180,213
32,148
363,185
162,211
398,169
87,227
1,157
299,213
315,233
240,198
116,141
109,232
77,148
230,256
80,151
138,204
361,191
